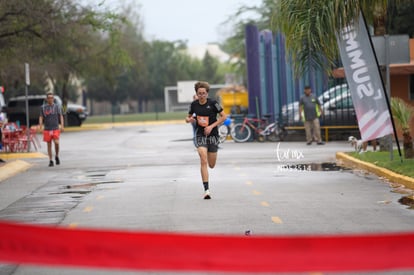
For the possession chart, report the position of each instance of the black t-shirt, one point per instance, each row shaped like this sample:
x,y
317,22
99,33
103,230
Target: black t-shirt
x,y
206,114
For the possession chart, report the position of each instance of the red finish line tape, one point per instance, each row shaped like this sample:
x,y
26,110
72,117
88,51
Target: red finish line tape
x,y
44,245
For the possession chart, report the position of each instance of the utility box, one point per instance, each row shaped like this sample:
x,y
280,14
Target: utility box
x,y
234,99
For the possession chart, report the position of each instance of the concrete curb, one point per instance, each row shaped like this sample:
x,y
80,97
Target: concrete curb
x,y
12,168
351,162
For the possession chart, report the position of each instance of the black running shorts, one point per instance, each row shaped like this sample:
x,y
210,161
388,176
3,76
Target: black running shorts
x,y
210,142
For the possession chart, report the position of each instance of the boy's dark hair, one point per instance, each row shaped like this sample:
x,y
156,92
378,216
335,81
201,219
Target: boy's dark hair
x,y
202,84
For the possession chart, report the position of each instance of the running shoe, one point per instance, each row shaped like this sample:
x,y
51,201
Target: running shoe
x,y
207,195
50,163
57,160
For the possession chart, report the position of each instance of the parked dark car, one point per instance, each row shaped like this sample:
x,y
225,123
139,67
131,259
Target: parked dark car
x,y
339,111
337,107
16,110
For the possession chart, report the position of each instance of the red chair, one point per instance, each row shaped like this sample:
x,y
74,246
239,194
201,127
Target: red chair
x,y
10,138
23,139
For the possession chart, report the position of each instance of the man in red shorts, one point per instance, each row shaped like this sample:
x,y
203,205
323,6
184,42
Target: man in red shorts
x,y
51,116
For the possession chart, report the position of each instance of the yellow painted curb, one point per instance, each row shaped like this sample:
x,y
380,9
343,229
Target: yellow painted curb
x,y
11,169
349,161
87,127
31,155
103,126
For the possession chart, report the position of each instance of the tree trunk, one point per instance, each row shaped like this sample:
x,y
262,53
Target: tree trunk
x,y
408,146
380,16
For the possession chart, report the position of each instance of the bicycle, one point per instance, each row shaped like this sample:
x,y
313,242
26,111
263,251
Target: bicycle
x,y
259,127
242,131
273,132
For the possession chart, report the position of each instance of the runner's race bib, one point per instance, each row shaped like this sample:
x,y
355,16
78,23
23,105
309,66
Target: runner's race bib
x,y
202,121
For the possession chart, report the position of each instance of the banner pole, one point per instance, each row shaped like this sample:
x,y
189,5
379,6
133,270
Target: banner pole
x,y
388,91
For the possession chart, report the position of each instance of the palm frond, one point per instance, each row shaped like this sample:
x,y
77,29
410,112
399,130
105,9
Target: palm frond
x,y
310,28
402,113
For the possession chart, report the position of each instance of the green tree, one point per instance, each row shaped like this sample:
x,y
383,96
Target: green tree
x,y
210,69
65,40
401,18
22,25
134,80
121,71
167,63
58,38
310,28
403,114
160,62
71,46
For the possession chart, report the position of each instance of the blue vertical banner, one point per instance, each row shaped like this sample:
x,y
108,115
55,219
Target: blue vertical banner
x,y
263,83
282,69
364,80
253,66
270,72
276,79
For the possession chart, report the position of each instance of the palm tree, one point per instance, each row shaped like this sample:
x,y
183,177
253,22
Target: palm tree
x,y
310,27
403,113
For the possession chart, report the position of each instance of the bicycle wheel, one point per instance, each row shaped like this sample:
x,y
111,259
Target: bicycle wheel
x,y
259,135
282,133
273,136
240,132
276,134
272,133
223,131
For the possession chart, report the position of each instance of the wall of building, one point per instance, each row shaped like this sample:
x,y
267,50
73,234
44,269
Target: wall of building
x,y
400,87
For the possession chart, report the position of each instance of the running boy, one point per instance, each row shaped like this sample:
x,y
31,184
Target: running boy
x,y
207,137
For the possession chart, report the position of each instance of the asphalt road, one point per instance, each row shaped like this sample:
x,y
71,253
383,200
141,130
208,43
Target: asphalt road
x,y
146,178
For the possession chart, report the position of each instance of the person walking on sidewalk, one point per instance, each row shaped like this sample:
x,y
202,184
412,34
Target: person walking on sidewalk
x,y
310,110
203,112
51,116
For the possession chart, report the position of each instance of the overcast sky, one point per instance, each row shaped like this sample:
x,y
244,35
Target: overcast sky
x,y
197,21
